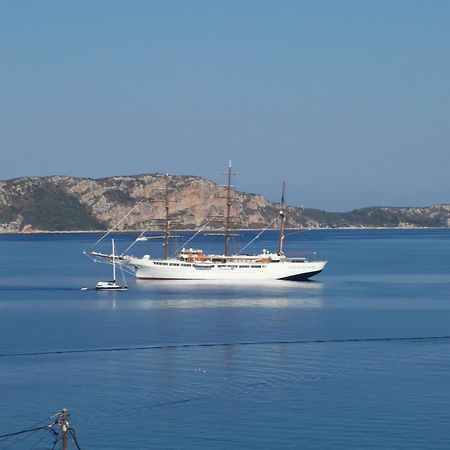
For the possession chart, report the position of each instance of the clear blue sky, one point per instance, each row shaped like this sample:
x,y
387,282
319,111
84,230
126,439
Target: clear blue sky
x,y
348,101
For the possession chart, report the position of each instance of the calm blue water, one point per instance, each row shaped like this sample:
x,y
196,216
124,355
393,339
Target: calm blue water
x,y
359,358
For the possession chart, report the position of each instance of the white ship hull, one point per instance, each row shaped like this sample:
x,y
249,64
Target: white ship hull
x,y
173,269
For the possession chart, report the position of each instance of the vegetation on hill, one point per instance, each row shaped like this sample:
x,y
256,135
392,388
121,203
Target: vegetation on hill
x,y
47,207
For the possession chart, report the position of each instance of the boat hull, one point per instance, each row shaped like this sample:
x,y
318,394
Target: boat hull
x,y
116,288
163,270
109,286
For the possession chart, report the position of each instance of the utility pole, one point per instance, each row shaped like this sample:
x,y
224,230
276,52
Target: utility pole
x,y
64,424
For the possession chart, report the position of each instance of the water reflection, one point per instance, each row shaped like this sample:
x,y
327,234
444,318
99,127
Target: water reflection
x,y
230,303
146,295
213,285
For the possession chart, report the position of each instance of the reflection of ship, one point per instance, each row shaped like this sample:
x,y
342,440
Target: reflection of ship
x,y
223,293
194,264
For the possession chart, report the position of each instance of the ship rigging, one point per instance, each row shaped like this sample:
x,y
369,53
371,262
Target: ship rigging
x,y
194,264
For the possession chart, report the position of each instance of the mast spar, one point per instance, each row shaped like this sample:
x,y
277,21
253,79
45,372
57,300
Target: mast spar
x,y
114,260
282,220
166,220
227,217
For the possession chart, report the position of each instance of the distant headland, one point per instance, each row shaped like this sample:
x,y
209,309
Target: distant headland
x,y
62,203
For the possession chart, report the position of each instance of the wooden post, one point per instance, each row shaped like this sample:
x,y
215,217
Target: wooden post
x,y
64,422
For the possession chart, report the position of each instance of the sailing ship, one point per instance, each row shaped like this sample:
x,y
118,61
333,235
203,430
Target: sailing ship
x,y
112,284
194,264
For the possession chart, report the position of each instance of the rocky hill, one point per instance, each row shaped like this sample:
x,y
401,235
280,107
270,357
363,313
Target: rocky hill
x,y
61,203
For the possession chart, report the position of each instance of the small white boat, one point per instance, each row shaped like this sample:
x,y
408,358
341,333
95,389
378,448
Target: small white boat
x,y
221,234
142,238
148,238
111,285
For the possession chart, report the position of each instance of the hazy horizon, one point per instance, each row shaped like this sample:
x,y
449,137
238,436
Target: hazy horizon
x,y
347,101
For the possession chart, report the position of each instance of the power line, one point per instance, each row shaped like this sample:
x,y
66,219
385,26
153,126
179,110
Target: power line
x,y
74,437
29,430
16,439
228,344
59,429
38,442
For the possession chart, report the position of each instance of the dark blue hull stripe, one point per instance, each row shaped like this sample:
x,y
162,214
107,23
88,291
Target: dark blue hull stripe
x,y
301,276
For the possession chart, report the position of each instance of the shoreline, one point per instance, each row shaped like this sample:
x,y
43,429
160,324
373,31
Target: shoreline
x,y
239,230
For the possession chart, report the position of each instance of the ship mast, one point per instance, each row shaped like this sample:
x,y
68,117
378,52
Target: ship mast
x,y
282,219
227,217
114,260
166,220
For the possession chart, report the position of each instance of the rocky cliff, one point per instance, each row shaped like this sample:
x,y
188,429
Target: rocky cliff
x,y
61,203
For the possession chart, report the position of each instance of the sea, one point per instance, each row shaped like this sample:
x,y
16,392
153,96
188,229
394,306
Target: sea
x,y
357,358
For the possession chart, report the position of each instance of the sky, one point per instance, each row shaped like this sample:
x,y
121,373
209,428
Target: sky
x,y
348,101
